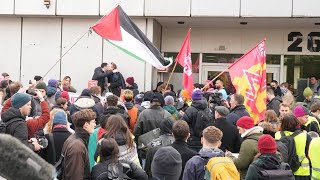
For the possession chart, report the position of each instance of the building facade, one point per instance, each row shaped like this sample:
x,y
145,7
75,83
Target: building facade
x,y
34,34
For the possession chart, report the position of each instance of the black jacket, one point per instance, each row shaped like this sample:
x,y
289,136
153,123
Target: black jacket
x,y
60,135
116,83
185,152
274,104
17,129
134,89
100,76
115,110
231,139
130,169
236,113
278,92
190,115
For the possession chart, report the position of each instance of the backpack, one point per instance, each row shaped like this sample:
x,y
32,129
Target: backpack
x,y
3,125
204,118
115,172
284,173
59,165
221,168
287,147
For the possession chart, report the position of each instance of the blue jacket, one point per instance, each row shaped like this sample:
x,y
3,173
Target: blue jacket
x,y
194,169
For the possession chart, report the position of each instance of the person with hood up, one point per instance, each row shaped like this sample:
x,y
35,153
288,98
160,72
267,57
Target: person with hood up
x,y
211,142
85,101
267,159
248,149
52,89
169,106
132,85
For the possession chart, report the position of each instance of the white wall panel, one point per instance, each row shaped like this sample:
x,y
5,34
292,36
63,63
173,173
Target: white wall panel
x,y
81,61
306,8
41,40
10,38
77,7
127,65
34,7
167,8
215,8
131,7
263,8
6,6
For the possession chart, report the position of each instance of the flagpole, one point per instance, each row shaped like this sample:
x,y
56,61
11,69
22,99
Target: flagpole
x,y
60,59
174,67
215,78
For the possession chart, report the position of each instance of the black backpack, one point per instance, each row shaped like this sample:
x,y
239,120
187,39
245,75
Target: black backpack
x,y
3,125
287,147
284,173
203,120
115,171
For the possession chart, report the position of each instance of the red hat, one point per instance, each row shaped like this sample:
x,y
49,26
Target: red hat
x,y
267,145
130,80
245,122
65,95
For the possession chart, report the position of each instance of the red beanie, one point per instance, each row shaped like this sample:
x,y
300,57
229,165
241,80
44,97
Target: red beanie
x,y
65,95
245,122
130,80
267,145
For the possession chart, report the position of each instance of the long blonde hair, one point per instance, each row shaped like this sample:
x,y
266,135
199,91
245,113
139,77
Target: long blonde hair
x,y
48,128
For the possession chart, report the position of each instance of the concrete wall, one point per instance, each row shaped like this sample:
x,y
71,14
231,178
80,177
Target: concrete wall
x,y
215,8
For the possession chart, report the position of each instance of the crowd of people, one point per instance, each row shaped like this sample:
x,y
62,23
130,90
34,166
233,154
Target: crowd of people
x,y
163,134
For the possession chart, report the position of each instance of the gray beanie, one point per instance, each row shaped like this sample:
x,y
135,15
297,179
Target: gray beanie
x,y
20,99
166,164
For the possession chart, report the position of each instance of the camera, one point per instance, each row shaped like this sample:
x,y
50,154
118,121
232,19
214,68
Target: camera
x,y
214,98
42,140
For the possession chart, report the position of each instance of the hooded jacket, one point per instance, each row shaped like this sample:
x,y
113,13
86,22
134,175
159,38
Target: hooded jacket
x,y
17,129
134,89
236,113
269,127
84,102
265,162
194,168
173,111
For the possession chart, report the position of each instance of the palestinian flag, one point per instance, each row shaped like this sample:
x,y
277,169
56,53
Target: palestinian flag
x,y
119,30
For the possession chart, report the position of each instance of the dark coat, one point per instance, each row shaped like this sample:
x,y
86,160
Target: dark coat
x,y
134,88
100,76
116,83
17,129
129,168
190,115
60,135
265,162
115,110
278,92
231,139
185,152
236,113
76,159
149,119
194,169
274,104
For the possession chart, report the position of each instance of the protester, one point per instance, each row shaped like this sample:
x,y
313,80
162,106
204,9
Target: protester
x,y
211,142
96,96
289,126
111,108
237,110
314,157
166,164
66,85
116,80
315,87
308,123
42,88
130,84
181,133
56,140
138,99
15,118
184,102
169,106
220,88
284,109
52,89
276,88
133,111
270,124
111,167
310,98
248,148
315,111
273,101
101,74
267,159
76,159
231,139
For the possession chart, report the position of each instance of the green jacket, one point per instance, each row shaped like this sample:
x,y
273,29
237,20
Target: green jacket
x,y
173,111
248,149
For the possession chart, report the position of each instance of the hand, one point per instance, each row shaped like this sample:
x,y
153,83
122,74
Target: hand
x,y
39,94
228,153
108,84
226,103
37,146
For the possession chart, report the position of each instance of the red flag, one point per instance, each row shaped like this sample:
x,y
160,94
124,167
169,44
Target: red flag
x,y
248,76
184,59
